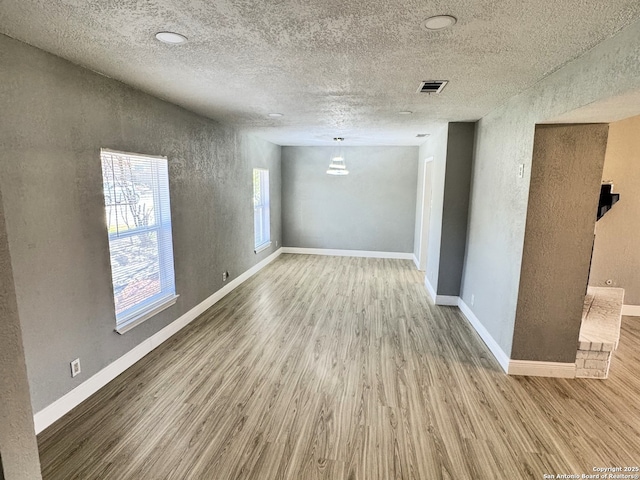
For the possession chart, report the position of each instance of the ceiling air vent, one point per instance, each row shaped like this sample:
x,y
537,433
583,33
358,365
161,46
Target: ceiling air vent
x,y
422,135
432,86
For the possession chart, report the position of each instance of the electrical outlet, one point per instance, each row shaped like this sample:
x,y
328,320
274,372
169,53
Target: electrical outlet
x,y
75,367
521,170
473,299
225,275
276,243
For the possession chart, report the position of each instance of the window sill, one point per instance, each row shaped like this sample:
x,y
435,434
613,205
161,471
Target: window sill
x,y
152,310
262,247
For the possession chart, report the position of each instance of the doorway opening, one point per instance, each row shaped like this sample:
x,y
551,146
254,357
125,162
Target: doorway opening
x,y
613,286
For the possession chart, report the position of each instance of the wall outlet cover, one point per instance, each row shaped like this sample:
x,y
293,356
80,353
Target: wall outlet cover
x,y
75,367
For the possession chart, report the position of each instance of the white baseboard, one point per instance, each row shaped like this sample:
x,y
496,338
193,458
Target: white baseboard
x,y
503,358
542,369
512,367
486,337
447,300
631,310
444,300
517,367
66,403
347,253
430,289
416,262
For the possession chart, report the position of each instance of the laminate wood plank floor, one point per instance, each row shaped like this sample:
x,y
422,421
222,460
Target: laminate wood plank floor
x,y
342,368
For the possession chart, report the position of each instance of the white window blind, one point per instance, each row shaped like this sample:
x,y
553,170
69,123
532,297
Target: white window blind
x,y
261,214
138,214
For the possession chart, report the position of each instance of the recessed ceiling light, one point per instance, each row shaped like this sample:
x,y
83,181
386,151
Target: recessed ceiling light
x,y
439,22
171,38
276,115
405,112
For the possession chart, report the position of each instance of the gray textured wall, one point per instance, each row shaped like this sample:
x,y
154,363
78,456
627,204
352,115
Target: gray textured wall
x,y
372,208
50,175
563,198
18,448
436,147
616,255
498,205
455,210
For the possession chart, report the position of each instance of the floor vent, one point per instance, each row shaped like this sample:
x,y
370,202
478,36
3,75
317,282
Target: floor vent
x,y
432,86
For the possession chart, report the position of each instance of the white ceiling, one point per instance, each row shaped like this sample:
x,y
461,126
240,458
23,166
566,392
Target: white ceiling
x,y
333,68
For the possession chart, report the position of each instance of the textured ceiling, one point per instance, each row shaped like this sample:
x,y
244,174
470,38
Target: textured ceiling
x,y
333,68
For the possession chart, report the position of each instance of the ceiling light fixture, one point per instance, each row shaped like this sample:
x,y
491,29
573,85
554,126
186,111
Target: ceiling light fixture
x,y
337,165
440,22
405,112
171,38
276,115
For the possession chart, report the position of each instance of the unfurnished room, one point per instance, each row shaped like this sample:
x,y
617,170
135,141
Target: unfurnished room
x,y
319,240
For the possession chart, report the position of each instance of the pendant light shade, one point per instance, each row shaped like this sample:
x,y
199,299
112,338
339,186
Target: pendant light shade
x,y
337,165
338,172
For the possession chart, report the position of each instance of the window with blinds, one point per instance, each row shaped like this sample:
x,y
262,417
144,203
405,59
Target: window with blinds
x,y
261,215
138,217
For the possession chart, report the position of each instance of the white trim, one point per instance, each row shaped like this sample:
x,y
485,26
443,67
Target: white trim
x,y
430,289
517,367
420,213
152,310
511,367
64,404
443,300
131,154
631,310
262,247
347,253
542,369
503,358
447,300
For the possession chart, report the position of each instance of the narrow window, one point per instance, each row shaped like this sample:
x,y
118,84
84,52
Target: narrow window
x,y
261,217
138,214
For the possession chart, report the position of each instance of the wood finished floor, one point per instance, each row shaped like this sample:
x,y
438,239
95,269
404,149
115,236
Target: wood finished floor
x,y
342,368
